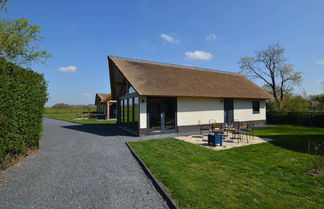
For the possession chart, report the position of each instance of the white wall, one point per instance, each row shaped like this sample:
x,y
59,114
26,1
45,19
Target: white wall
x,y
190,110
243,110
143,114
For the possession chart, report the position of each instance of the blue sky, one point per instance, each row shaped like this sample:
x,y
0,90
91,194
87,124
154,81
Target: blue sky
x,y
210,34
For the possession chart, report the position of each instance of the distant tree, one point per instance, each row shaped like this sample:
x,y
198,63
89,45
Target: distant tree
x,y
18,42
295,103
272,106
318,101
68,106
61,106
269,65
2,5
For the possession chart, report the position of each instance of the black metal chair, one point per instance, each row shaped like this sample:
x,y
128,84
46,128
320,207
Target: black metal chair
x,y
249,130
203,128
238,131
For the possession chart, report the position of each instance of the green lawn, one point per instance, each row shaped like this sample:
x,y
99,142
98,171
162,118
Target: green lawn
x,y
268,175
71,116
292,137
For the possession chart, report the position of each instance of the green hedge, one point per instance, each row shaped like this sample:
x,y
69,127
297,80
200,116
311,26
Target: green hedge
x,y
23,94
315,119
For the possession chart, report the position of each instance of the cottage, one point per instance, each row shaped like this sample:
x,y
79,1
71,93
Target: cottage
x,y
157,97
106,106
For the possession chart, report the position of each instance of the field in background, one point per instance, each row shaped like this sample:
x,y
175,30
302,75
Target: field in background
x,y
73,115
58,111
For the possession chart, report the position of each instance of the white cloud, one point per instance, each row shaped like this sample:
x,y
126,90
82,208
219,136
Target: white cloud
x,y
68,69
87,94
211,37
321,62
169,38
200,55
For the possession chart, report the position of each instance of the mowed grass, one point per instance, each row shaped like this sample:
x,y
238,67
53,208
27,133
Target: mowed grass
x,y
257,176
72,116
292,137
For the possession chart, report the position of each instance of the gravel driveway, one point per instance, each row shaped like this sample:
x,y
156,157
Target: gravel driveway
x,y
79,166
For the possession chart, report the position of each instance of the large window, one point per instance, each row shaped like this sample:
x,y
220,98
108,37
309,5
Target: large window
x,y
129,109
129,113
256,107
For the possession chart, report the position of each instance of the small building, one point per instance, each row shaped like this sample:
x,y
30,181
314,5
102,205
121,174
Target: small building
x,y
157,97
106,106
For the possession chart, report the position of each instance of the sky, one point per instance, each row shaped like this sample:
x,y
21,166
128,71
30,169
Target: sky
x,y
210,34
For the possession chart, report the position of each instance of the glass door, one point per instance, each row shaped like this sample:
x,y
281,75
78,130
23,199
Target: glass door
x,y
169,115
228,110
154,116
161,114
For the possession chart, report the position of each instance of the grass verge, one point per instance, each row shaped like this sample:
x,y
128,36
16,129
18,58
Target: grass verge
x,y
266,175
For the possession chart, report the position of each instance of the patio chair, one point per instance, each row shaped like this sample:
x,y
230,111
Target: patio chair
x,y
237,131
243,129
203,128
249,130
218,128
228,127
212,121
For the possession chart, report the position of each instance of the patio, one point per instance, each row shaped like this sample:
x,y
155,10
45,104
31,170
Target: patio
x,y
228,141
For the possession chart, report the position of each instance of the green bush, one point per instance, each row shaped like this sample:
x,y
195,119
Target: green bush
x,y
315,119
23,94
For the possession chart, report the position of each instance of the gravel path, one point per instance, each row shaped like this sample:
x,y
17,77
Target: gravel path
x,y
79,166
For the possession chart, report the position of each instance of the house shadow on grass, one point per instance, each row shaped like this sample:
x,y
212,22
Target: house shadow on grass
x,y
299,143
100,129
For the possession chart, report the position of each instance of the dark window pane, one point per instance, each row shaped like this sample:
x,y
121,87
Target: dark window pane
x,y
125,112
256,107
130,113
136,112
169,115
155,116
122,111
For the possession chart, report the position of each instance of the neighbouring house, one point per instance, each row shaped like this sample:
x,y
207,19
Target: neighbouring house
x,y
106,106
157,97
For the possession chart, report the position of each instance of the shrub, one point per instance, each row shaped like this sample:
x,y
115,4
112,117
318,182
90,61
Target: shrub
x,y
22,99
315,119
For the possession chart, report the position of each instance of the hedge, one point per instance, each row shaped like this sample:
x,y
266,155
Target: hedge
x,y
23,94
315,119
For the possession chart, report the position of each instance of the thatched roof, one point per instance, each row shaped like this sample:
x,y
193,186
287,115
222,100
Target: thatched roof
x,y
102,98
167,80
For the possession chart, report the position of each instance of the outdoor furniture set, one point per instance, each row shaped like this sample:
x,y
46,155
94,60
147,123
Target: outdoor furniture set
x,y
232,131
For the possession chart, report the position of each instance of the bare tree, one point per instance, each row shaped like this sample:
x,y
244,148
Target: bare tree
x,y
269,65
2,5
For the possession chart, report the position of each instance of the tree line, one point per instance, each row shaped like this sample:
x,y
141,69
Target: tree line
x,y
68,106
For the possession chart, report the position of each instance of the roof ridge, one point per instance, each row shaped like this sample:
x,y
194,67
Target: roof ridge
x,y
172,65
